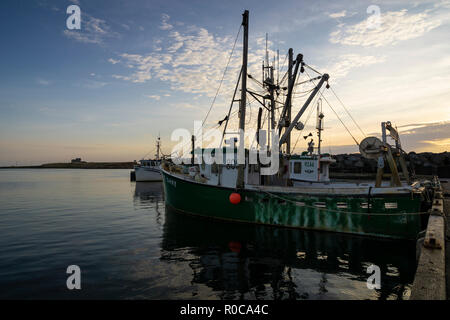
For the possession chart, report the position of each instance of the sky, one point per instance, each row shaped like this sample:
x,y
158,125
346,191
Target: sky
x,y
138,69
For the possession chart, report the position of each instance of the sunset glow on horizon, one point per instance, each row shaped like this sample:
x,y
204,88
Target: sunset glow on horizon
x,y
139,69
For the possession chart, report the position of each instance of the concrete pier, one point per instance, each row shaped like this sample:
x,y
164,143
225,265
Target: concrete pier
x,y
447,243
430,279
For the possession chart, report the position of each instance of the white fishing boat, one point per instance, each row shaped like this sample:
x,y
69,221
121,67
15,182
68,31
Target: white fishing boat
x,y
149,169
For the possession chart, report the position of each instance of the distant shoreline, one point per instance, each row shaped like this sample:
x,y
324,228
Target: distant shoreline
x,y
346,165
78,165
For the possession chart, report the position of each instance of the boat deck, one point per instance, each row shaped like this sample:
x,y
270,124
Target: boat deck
x,y
329,188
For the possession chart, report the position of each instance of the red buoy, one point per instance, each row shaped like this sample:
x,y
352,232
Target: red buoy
x,y
235,198
235,246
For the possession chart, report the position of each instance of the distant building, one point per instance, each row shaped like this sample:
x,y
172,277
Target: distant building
x,y
77,160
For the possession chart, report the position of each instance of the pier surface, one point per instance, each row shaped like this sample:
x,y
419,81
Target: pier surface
x,y
430,281
447,243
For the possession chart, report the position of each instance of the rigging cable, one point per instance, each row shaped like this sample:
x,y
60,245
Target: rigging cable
x,y
336,113
221,80
347,111
311,68
357,143
340,101
148,153
249,105
223,75
306,122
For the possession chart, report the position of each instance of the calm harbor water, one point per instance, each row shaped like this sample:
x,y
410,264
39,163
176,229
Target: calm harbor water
x,y
129,246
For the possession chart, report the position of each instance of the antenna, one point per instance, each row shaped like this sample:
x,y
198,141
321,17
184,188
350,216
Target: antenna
x,y
267,51
158,146
319,124
278,67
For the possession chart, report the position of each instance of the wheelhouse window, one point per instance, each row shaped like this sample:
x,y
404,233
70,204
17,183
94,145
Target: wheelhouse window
x,y
297,167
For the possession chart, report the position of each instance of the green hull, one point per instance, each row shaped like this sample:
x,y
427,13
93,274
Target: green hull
x,y
321,212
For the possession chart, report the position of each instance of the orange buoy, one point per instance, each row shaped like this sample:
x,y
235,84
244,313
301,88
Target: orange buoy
x,y
235,198
235,246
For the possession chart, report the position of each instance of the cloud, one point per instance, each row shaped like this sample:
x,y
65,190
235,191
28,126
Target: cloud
x,y
46,110
43,82
344,63
155,97
164,24
113,61
93,84
191,59
340,66
440,142
186,106
394,26
93,30
336,15
417,137
426,136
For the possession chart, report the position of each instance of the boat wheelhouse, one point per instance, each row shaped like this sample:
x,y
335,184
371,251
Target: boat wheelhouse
x,y
310,168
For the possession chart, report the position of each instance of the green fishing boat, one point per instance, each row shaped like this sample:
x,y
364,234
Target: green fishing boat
x,y
299,193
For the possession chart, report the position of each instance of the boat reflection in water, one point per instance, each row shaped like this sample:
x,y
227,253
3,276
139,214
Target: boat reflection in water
x,y
150,195
239,261
208,259
148,191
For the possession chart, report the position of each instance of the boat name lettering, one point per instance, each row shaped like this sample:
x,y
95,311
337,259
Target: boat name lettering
x,y
172,182
309,164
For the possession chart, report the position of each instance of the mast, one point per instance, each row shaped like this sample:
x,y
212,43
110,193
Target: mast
x,y
323,78
269,82
267,76
278,67
267,52
282,122
319,124
289,102
158,145
319,127
193,150
272,99
240,175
